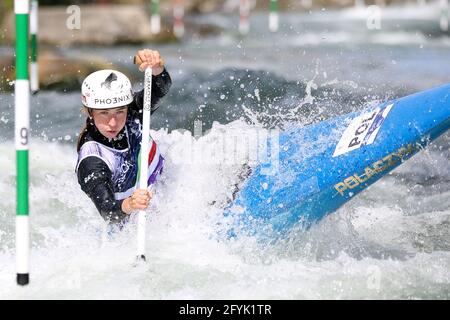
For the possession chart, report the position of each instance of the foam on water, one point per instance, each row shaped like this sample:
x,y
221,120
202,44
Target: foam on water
x,y
373,247
391,241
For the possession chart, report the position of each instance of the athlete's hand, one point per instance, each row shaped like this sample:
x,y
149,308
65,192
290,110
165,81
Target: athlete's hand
x,y
139,200
149,58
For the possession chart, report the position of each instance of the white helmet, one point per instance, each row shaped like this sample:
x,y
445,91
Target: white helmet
x,y
106,89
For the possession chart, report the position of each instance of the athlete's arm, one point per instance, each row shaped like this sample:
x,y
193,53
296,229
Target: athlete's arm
x,y
160,87
94,178
161,80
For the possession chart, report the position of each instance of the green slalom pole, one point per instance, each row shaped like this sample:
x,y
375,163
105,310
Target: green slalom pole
x,y
155,22
22,123
34,79
273,16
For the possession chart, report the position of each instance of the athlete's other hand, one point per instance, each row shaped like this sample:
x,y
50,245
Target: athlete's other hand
x,y
139,200
150,58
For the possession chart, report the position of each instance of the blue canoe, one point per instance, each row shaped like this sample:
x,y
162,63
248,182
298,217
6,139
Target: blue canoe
x,y
322,166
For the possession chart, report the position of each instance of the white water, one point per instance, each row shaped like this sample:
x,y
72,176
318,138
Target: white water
x,y
391,242
377,246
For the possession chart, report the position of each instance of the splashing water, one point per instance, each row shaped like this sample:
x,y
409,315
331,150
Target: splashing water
x,y
390,242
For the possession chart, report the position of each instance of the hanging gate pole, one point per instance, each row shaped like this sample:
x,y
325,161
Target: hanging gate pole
x,y
22,123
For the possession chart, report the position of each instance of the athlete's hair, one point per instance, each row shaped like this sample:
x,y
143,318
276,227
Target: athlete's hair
x,y
83,131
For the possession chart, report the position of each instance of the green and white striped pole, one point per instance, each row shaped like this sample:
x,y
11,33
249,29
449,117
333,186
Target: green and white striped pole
x,y
34,79
273,16
22,123
155,21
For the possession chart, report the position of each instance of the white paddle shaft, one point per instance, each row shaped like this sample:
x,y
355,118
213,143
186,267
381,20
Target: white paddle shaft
x,y
144,157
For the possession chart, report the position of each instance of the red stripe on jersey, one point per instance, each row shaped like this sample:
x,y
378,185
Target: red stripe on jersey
x,y
151,155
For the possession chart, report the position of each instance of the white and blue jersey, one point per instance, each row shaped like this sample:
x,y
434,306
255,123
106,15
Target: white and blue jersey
x,y
123,164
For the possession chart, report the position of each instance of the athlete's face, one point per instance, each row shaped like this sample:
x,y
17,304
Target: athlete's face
x,y
110,121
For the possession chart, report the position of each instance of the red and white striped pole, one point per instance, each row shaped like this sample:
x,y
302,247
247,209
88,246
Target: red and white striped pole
x,y
244,13
178,15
